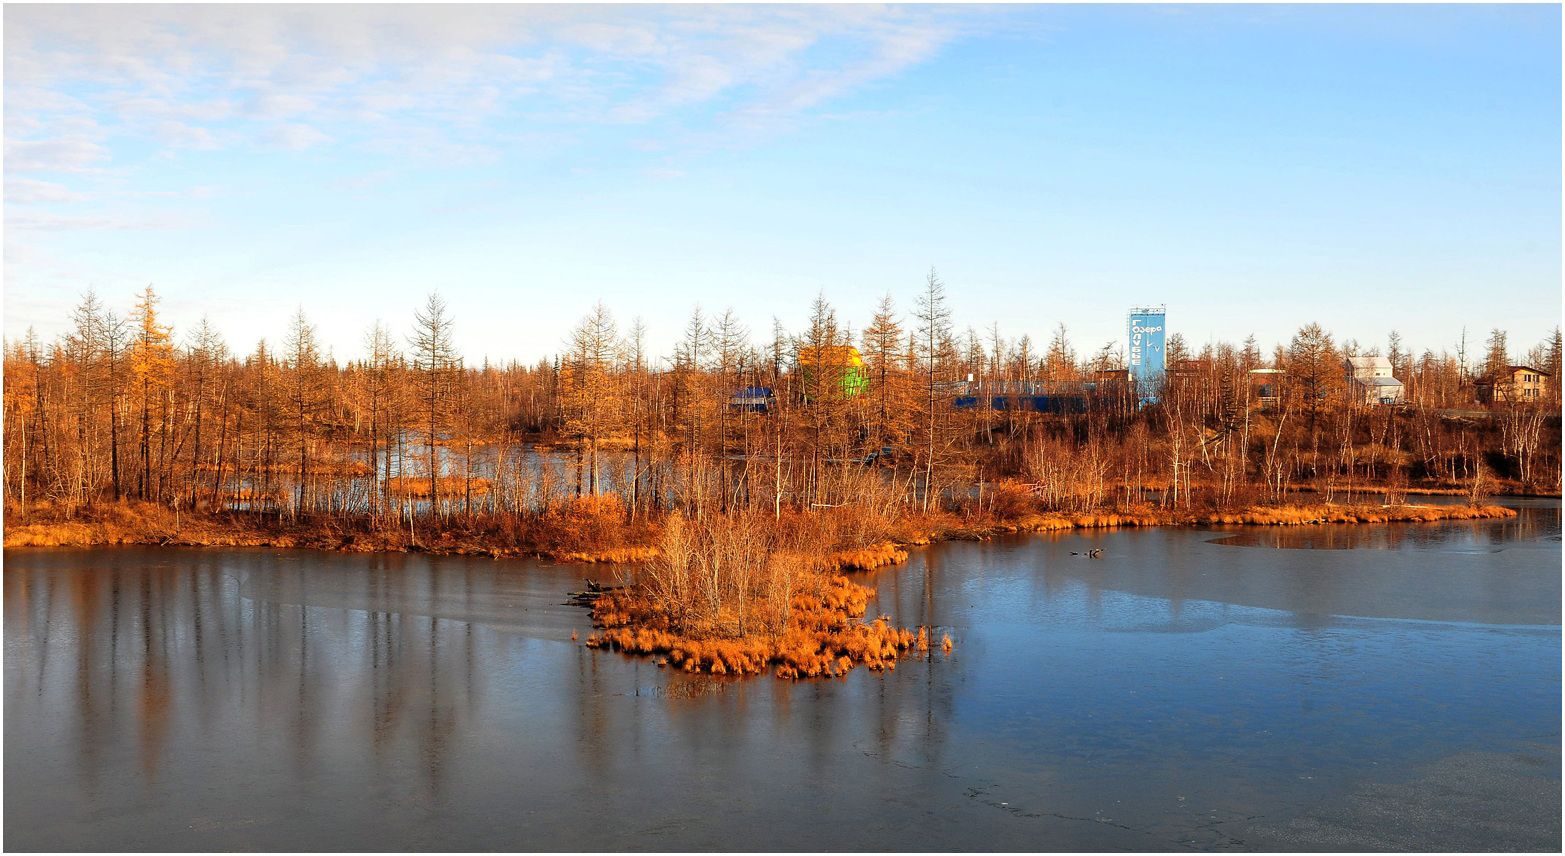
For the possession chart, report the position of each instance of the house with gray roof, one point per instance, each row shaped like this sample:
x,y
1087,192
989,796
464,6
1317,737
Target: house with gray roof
x,y
1370,381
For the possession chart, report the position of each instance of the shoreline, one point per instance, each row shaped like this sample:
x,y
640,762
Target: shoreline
x,y
207,530
823,632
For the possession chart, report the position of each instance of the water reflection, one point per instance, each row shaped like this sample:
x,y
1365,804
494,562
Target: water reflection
x,y
1532,524
239,699
166,644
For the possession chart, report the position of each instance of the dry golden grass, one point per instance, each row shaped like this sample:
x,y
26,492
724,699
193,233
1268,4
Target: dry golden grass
x,y
591,529
417,487
824,635
598,529
338,468
1297,515
588,531
65,534
130,523
609,555
865,558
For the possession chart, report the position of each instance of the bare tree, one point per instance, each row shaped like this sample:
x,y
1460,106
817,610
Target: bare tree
x,y
591,402
934,346
435,361
304,394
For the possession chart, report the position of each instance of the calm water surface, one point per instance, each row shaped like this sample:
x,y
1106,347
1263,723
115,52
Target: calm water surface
x,y
1312,688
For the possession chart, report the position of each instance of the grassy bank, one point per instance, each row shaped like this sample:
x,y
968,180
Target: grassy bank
x,y
597,530
586,530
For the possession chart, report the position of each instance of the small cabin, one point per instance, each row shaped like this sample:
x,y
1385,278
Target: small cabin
x,y
752,399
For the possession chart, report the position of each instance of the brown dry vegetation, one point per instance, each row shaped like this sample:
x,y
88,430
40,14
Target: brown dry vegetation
x,y
412,487
729,600
1297,515
866,558
740,517
598,529
591,530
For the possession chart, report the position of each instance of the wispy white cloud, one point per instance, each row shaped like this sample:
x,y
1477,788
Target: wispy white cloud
x,y
70,153
204,77
27,190
98,97
297,136
31,222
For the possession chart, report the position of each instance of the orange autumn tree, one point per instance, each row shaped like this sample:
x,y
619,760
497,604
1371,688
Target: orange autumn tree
x,y
152,369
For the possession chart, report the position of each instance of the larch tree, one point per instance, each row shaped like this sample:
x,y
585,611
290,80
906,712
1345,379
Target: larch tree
x,y
152,363
1060,361
933,338
882,340
1552,365
435,363
305,394
1315,374
116,351
1397,355
821,372
729,344
207,354
690,396
381,356
589,386
1497,355
86,345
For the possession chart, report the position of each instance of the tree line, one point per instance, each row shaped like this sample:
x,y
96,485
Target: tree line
x,y
124,407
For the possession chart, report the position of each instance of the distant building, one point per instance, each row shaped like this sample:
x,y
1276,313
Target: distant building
x,y
1513,384
1266,386
1370,380
752,399
1024,395
841,366
1145,328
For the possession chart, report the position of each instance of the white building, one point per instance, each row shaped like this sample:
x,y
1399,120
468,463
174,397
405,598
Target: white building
x,y
1370,380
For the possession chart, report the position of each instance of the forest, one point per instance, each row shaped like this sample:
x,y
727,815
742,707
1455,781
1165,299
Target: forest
x,y
122,408
741,475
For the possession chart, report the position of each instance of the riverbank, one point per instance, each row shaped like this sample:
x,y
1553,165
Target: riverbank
x,y
590,531
587,530
1506,488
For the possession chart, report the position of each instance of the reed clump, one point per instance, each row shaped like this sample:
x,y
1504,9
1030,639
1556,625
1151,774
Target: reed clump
x,y
609,555
734,597
866,558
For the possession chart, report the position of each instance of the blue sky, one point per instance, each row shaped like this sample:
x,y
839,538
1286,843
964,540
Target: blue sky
x,y
1254,168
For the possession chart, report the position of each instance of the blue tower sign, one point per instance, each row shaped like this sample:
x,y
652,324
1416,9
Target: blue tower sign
x,y
1145,332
